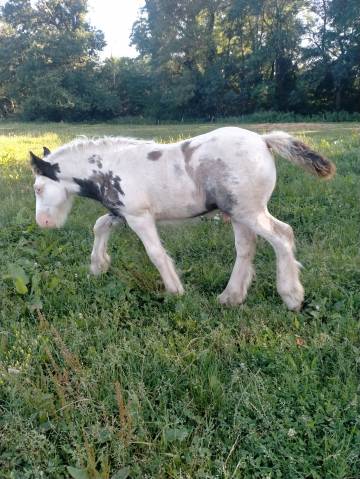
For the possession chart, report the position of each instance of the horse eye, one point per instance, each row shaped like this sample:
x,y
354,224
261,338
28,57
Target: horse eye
x,y
37,190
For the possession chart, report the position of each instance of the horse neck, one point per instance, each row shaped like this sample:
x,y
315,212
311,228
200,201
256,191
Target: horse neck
x,y
79,163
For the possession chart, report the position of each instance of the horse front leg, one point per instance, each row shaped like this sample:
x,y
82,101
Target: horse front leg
x,y
144,226
100,260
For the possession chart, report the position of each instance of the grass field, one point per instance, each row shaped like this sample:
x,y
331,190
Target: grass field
x,y
112,378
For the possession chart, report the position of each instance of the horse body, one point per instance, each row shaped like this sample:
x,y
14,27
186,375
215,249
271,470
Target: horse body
x,y
180,180
141,181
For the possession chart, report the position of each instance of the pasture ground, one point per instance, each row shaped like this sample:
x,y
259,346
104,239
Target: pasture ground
x,y
112,378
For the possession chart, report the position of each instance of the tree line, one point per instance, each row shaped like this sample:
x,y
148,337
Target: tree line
x,y
200,59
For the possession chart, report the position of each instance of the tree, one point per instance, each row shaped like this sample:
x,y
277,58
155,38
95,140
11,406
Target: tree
x,y
130,82
333,55
178,39
221,57
43,49
198,59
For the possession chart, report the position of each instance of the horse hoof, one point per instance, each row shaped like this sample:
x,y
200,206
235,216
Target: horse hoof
x,y
178,290
230,299
99,268
294,300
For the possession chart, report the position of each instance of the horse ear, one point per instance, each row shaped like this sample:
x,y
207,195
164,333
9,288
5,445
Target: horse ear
x,y
44,168
46,151
35,162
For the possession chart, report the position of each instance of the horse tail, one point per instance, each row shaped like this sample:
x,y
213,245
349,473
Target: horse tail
x,y
300,154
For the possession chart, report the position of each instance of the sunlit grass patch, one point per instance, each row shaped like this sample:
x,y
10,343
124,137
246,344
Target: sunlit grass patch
x,y
15,148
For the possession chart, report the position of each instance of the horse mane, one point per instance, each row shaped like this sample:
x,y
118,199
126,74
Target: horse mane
x,y
80,143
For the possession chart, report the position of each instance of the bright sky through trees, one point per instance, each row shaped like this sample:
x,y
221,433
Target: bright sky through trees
x,y
115,18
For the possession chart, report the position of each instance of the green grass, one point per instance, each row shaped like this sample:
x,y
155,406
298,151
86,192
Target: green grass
x,y
112,378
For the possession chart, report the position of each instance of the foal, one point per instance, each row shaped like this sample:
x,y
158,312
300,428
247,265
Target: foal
x,y
141,182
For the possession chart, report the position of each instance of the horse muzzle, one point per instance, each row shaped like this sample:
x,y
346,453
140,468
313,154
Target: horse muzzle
x,y
45,221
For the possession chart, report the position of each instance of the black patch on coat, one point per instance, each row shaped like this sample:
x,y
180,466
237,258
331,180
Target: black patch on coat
x,y
154,155
103,187
96,159
44,168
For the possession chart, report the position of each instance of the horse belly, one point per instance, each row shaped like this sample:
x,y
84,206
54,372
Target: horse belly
x,y
177,203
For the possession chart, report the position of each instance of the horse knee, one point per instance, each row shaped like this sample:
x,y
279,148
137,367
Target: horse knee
x,y
285,232
102,224
155,253
289,233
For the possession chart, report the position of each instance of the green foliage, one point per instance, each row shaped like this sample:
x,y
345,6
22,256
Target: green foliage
x,y
204,59
333,79
48,54
111,378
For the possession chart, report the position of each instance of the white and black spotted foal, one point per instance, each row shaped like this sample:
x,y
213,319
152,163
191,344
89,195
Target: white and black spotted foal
x,y
141,182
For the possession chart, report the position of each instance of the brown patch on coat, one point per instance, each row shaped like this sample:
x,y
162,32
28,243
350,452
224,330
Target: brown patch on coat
x,y
211,180
213,176
154,155
188,150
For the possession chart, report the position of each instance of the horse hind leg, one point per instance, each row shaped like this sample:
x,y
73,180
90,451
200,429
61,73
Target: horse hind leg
x,y
280,235
243,271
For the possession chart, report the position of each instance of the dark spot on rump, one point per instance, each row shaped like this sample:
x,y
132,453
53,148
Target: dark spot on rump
x,y
154,155
103,187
